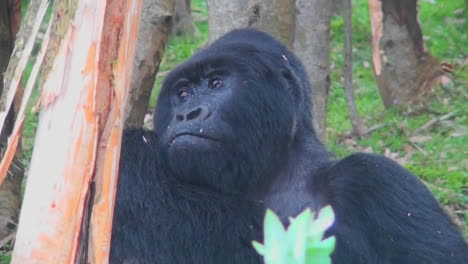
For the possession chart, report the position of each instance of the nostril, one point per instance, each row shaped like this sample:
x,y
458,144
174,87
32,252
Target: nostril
x,y
194,114
179,117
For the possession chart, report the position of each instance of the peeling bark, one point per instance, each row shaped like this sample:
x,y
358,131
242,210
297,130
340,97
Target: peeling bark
x,y
10,189
77,144
19,59
312,45
155,22
404,70
276,17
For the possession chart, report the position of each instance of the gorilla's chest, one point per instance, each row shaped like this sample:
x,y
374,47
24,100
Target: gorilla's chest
x,y
209,232
208,239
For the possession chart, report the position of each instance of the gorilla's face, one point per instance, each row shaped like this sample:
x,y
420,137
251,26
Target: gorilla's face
x,y
219,120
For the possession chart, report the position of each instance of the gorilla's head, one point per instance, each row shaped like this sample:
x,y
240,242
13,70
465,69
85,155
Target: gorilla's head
x,y
229,115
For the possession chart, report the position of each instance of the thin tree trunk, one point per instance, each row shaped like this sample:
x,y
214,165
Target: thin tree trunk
x,y
155,22
312,45
10,189
356,122
182,21
403,69
276,17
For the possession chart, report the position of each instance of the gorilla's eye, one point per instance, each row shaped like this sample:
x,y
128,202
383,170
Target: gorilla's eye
x,y
216,83
183,95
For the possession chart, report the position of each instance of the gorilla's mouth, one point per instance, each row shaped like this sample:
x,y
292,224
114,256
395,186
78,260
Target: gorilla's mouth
x,y
191,137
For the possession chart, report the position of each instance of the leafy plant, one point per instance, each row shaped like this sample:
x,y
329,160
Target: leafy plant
x,y
301,242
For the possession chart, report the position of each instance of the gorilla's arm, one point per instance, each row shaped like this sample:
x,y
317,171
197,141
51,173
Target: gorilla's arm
x,y
386,215
135,199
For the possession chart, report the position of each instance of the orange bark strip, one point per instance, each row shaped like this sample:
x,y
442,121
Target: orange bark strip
x,y
376,15
107,170
62,165
10,153
106,185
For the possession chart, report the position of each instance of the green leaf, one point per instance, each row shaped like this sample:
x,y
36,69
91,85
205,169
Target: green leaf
x,y
301,243
259,247
297,235
325,220
275,235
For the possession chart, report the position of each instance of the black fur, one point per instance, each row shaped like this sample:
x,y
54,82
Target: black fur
x,y
239,139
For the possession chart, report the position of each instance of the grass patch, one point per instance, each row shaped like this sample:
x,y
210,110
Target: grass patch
x,y
441,159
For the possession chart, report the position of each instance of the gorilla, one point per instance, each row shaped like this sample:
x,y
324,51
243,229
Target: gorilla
x,y
232,137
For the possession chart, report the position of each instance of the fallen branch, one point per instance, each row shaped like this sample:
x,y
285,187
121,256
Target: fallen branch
x,y
431,123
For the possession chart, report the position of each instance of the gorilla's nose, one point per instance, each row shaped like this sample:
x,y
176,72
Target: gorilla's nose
x,y
198,113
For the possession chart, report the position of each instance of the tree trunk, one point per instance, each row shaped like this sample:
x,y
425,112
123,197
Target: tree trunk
x,y
78,137
182,21
10,189
155,22
356,122
312,45
403,69
276,17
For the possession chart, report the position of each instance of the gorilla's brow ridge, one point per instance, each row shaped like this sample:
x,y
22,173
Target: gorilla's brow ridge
x,y
207,67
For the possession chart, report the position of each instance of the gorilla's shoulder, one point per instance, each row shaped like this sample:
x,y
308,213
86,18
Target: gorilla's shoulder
x,y
368,165
138,134
138,142
374,175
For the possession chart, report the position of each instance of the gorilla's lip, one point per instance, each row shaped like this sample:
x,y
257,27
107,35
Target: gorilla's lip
x,y
193,135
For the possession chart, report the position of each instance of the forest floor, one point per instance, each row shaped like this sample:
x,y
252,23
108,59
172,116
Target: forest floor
x,y
429,139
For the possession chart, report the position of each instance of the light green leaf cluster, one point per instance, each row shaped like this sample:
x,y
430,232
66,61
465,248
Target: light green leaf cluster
x,y
301,243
